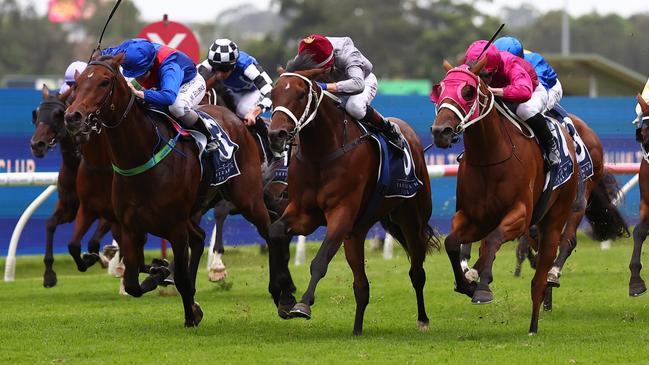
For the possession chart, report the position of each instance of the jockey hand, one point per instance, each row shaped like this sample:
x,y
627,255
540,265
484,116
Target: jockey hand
x,y
250,119
322,85
497,91
138,93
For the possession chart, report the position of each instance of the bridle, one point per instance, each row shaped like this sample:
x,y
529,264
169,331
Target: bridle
x,y
59,130
307,115
94,120
465,120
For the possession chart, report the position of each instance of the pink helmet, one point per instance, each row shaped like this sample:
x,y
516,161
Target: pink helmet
x,y
491,53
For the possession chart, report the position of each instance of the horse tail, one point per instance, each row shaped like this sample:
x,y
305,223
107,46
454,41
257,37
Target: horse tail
x,y
602,214
432,240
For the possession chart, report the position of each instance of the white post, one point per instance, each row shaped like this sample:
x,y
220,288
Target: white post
x,y
388,247
210,254
10,265
300,251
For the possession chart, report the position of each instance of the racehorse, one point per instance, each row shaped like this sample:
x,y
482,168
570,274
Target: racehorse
x,y
71,184
500,180
274,191
606,221
331,182
163,194
637,285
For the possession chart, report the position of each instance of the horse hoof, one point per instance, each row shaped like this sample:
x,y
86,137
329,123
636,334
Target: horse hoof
x,y
423,326
466,289
553,277
301,310
472,275
547,308
637,289
358,332
159,262
217,274
49,279
482,296
103,261
198,313
517,272
284,311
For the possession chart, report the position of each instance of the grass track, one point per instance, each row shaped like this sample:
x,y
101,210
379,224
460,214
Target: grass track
x,y
84,321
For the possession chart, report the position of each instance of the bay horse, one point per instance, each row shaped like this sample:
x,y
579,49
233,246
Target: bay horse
x,y
274,192
331,182
159,189
500,180
607,222
50,130
637,285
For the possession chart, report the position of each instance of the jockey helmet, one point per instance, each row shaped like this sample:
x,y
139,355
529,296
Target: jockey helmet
x,y
510,44
223,54
320,49
139,57
491,53
68,79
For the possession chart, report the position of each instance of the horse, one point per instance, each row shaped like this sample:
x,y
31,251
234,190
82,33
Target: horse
x,y
606,221
637,285
331,182
157,186
50,130
274,191
500,180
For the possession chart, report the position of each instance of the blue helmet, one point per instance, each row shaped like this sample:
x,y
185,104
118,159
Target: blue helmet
x,y
138,58
510,44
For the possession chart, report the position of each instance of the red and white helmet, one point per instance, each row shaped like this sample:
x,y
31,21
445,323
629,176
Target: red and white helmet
x,y
319,48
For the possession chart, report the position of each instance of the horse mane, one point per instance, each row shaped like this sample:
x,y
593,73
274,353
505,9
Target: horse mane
x,y
301,62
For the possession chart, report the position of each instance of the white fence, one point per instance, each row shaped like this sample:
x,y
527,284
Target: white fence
x,y
49,179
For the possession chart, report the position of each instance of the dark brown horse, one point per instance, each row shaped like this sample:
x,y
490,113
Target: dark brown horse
x,y
331,182
165,196
637,285
606,221
50,130
500,180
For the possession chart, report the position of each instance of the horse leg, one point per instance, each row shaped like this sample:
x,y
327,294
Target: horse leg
x,y
131,247
339,224
465,255
95,241
355,255
566,246
637,286
59,217
521,253
511,226
83,221
452,247
217,270
180,240
197,245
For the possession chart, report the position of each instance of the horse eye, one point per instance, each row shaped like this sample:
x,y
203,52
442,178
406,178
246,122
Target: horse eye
x,y
103,83
34,116
301,95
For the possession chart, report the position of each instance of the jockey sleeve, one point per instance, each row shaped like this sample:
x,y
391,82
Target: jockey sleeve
x,y
262,82
171,78
545,72
515,80
354,66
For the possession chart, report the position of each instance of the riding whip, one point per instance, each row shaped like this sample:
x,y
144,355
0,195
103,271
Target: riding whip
x,y
101,36
493,37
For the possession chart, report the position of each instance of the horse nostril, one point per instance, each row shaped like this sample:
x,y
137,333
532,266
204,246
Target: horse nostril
x,y
38,145
73,118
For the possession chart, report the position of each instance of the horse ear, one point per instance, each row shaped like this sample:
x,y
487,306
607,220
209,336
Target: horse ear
x,y
643,105
95,55
45,92
118,58
280,70
76,76
447,65
63,97
478,66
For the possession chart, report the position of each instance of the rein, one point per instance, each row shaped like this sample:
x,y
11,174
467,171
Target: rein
x,y
308,116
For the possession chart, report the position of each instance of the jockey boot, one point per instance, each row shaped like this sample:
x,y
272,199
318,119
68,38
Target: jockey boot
x,y
540,127
388,129
199,125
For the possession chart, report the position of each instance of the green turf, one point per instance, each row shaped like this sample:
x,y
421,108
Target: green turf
x,y
84,320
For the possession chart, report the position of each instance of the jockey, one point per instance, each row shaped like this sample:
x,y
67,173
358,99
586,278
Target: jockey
x,y
353,76
515,81
70,72
547,76
168,78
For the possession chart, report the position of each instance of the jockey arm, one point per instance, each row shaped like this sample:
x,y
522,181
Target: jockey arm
x,y
262,82
355,84
171,78
520,86
205,69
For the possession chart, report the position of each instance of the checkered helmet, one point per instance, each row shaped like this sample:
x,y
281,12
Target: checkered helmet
x,y
223,54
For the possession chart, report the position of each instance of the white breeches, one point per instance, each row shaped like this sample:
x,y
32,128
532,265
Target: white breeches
x,y
537,104
189,96
356,105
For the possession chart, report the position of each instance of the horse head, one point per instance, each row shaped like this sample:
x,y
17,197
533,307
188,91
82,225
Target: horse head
x,y
295,103
642,133
97,90
48,120
458,102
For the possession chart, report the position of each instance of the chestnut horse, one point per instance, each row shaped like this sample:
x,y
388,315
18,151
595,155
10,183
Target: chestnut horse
x,y
165,194
50,130
331,182
637,285
500,180
606,221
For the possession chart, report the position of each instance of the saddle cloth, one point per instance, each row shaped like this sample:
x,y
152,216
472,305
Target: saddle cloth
x,y
581,151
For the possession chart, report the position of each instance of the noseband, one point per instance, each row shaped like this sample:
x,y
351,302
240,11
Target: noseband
x,y
95,118
308,115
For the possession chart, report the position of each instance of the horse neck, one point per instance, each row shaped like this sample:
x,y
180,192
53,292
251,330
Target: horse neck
x,y
69,152
485,142
324,134
131,142
96,151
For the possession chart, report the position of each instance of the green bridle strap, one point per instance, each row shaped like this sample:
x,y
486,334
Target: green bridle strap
x,y
159,156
